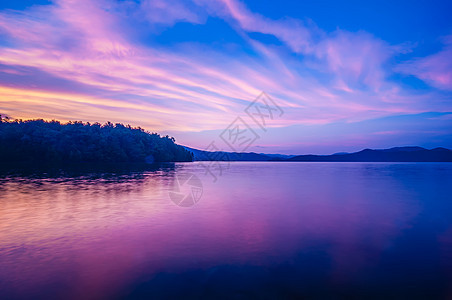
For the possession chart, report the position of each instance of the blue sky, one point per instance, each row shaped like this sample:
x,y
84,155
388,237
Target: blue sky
x,y
347,74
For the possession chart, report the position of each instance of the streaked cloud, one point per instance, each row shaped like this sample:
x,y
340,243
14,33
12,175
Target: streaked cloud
x,y
102,60
435,69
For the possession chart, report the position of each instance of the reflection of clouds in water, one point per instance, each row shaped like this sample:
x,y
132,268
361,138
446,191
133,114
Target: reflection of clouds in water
x,y
69,202
352,211
122,179
332,224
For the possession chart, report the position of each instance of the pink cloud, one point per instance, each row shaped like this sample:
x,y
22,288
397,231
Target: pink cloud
x,y
435,69
194,87
355,58
295,33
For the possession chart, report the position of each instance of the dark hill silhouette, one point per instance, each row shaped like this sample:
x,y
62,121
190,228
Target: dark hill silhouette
x,y
200,155
39,141
397,154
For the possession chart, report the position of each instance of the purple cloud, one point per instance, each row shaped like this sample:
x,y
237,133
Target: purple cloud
x,y
315,76
435,69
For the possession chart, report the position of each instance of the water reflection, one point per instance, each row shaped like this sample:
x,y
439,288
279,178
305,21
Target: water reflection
x,y
263,230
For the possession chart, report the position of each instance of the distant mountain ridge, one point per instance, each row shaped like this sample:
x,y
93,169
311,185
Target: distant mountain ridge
x,y
201,155
395,154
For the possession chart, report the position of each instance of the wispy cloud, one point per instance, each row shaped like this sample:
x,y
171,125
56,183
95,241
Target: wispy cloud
x,y
435,69
102,71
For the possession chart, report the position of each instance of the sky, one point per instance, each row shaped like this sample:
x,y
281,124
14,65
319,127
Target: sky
x,y
344,75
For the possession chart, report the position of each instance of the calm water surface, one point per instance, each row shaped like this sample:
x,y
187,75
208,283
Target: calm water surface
x,y
262,231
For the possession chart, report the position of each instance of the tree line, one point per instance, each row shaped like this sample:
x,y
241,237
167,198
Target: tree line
x,y
76,141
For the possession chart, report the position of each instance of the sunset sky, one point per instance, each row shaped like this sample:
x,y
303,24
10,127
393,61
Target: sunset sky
x,y
348,75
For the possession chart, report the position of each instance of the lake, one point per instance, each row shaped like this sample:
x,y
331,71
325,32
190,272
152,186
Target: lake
x,y
261,230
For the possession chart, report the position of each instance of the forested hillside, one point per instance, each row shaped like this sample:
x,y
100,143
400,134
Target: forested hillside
x,y
52,141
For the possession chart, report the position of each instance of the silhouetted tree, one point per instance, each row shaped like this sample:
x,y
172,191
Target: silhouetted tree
x,y
51,141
